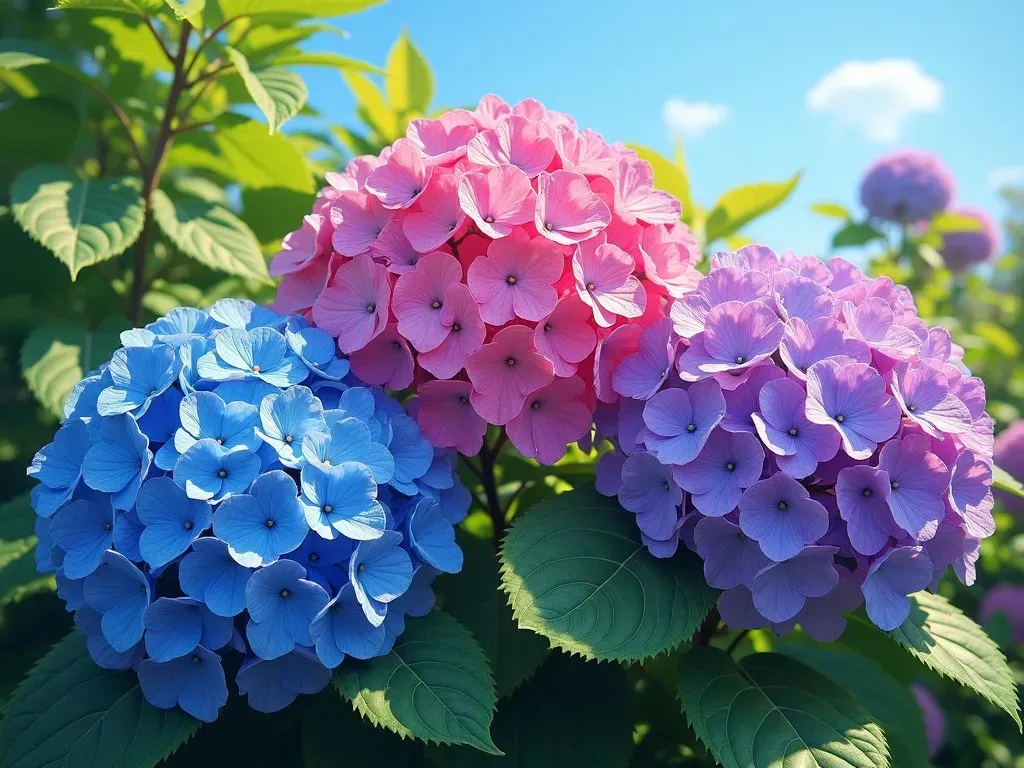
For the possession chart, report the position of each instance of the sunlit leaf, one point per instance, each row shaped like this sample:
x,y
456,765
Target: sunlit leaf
x,y
298,8
832,211
856,234
738,207
667,175
278,93
1004,481
409,81
381,116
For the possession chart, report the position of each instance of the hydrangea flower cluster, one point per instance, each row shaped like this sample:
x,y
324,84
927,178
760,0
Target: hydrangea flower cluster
x,y
498,261
226,486
1009,454
962,250
798,426
1005,600
906,187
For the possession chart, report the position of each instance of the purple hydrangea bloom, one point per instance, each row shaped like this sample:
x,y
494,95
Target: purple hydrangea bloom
x,y
906,186
285,494
1006,600
934,719
1008,453
823,421
642,373
962,250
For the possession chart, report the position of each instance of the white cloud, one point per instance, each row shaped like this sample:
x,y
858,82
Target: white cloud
x,y
876,97
1011,176
693,118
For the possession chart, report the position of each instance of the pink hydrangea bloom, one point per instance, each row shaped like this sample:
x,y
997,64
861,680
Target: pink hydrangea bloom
x,y
486,234
830,448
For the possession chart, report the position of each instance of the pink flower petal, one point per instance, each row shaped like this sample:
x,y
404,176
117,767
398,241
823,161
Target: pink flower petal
x,y
385,361
298,248
401,180
439,216
447,418
299,290
515,278
466,333
354,305
553,418
505,371
568,211
358,219
637,198
419,299
514,141
564,336
497,199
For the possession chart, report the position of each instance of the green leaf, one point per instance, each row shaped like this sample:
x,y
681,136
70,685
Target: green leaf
x,y
190,10
739,206
278,93
473,597
245,153
70,712
211,235
576,571
55,357
138,7
132,41
83,222
889,702
570,714
1004,481
18,54
294,8
667,175
942,638
770,711
272,212
318,59
832,211
930,256
43,129
380,116
855,234
330,722
998,338
435,685
948,222
409,81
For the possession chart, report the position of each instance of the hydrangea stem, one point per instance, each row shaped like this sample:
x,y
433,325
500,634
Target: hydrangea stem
x,y
488,455
707,629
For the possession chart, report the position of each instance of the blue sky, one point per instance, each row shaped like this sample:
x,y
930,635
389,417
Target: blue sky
x,y
613,65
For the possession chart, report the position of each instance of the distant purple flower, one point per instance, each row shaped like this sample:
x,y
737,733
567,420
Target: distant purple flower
x,y
934,720
924,396
649,491
863,496
799,443
781,516
893,576
970,495
852,399
804,344
906,187
1006,600
782,589
1008,453
918,480
681,420
730,557
729,463
962,250
736,336
642,373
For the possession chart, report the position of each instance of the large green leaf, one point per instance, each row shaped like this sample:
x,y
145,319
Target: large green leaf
x,y
770,711
245,153
856,234
278,93
409,81
324,59
738,207
83,222
1004,481
473,597
43,129
667,175
210,234
17,54
138,7
330,722
889,702
372,106
945,640
72,713
576,571
132,41
435,685
299,8
570,714
55,357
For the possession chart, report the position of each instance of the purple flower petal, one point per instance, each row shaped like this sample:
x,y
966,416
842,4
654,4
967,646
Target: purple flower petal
x,y
730,557
893,576
863,496
728,463
918,480
649,491
787,432
851,398
804,344
924,396
781,589
970,495
781,516
682,420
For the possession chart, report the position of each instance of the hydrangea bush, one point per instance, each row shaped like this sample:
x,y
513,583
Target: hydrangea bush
x,y
225,487
804,432
498,262
907,186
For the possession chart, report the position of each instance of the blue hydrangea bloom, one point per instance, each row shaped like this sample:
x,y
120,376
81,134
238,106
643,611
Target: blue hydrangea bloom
x,y
225,487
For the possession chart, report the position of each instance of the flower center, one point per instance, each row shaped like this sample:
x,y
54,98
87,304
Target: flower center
x,y
416,191
195,658
456,328
548,226
222,474
220,441
740,359
510,362
867,493
730,466
666,486
271,523
328,509
840,418
792,431
396,345
188,525
691,427
371,308
255,369
289,439
464,399
511,279
435,304
362,567
108,527
313,557
451,226
285,593
911,408
895,485
489,219
591,286
535,405
783,506
547,327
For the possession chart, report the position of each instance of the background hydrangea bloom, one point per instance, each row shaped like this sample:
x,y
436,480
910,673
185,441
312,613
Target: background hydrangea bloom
x,y
481,221
906,186
285,489
961,250
824,447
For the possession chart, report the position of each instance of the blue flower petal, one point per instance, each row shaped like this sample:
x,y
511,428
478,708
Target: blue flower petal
x,y
121,593
286,420
455,503
349,440
206,415
342,500
380,571
413,453
181,325
273,685
58,465
44,561
127,532
211,472
281,604
118,462
317,350
71,591
245,314
85,531
138,337
138,375
161,418
341,629
194,682
174,627
251,391
88,621
81,402
189,355
208,573
172,520
433,538
264,524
